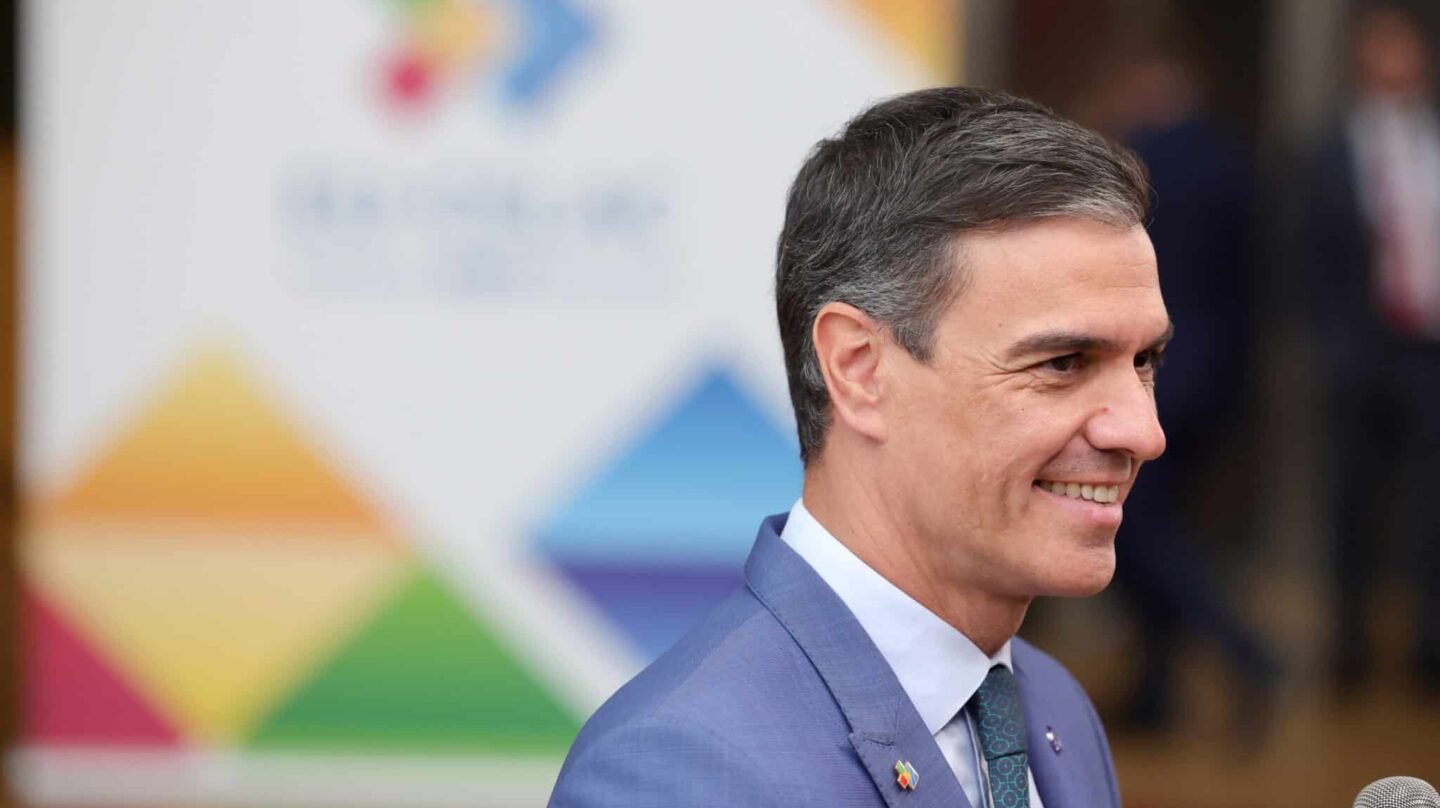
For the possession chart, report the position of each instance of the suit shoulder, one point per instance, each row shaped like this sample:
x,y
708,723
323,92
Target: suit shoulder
x,y
654,761
708,665
692,715
1048,673
1037,662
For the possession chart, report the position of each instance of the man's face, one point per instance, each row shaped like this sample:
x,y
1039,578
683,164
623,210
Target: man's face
x,y
1042,375
1391,55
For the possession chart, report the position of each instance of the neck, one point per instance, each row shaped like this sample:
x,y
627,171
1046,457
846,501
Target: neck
x,y
854,507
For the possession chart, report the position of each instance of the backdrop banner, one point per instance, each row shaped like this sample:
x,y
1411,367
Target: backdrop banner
x,y
399,377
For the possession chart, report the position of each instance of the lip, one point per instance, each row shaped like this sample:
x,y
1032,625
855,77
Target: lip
x,y
1100,515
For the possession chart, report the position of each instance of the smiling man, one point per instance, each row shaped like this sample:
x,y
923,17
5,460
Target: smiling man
x,y
972,320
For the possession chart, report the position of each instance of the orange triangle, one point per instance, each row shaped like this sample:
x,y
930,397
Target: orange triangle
x,y
211,448
927,31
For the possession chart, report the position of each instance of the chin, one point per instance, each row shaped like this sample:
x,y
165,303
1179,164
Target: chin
x,y
1084,576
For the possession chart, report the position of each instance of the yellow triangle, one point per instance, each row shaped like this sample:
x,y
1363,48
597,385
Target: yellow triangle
x,y
216,632
926,31
211,449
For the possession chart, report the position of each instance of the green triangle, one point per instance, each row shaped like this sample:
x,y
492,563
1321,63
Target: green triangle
x,y
422,676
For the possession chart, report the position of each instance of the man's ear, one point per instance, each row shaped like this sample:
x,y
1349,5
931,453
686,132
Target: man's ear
x,y
848,344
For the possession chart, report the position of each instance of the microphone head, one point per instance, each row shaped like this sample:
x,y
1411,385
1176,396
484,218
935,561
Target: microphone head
x,y
1398,792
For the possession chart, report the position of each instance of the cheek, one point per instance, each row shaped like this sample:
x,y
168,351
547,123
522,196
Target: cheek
x,y
1043,437
1027,447
986,450
936,433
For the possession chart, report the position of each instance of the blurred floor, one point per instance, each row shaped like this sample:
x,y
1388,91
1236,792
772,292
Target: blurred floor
x,y
1314,750
1317,752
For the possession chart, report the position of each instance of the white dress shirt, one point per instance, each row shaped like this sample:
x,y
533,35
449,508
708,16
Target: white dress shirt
x,y
938,667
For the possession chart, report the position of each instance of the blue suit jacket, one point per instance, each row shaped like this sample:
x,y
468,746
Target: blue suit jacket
x,y
779,698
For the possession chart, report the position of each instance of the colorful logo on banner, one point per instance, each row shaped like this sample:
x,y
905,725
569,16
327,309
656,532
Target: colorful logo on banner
x,y
211,579
659,536
517,49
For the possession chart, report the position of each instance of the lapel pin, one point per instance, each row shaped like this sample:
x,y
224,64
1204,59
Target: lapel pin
x,y
906,776
1054,740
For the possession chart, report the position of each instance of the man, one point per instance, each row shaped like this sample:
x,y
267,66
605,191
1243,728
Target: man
x,y
1374,272
971,319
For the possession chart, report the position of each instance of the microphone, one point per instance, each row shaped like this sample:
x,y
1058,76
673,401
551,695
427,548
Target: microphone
x,y
1398,792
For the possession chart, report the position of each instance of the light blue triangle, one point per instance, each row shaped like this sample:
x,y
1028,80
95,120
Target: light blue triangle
x,y
691,491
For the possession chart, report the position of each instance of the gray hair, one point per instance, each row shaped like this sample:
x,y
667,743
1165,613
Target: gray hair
x,y
874,215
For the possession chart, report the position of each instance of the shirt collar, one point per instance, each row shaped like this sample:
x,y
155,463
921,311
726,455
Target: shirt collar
x,y
938,667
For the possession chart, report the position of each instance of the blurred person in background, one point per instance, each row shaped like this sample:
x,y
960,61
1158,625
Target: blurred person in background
x,y
1373,236
1149,95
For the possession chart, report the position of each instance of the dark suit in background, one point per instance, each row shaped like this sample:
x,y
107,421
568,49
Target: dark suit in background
x,y
1381,384
1200,225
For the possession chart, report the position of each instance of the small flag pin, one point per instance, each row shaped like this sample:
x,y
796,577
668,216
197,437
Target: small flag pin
x,y
906,775
1054,740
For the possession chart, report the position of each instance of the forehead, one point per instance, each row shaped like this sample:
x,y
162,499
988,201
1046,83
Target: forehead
x,y
1063,273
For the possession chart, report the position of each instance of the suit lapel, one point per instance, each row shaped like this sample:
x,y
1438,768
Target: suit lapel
x,y
885,728
1048,766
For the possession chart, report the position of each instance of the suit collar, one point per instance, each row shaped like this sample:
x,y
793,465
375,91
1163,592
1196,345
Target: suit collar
x,y
885,728
939,667
884,724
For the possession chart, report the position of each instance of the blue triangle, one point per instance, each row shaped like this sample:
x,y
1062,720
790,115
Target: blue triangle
x,y
554,33
690,493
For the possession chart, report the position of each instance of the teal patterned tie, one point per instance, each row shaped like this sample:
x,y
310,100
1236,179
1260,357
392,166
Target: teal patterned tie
x,y
1000,723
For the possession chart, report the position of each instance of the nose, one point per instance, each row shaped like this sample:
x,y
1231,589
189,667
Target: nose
x,y
1126,421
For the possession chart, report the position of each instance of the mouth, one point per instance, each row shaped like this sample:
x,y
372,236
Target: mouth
x,y
1100,493
1095,503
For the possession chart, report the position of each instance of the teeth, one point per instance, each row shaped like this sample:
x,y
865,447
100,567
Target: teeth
x,y
1094,493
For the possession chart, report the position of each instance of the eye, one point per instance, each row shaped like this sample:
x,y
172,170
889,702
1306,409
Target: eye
x,y
1149,360
1069,363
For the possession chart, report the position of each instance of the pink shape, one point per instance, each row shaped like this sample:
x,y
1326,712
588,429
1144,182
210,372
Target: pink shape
x,y
72,697
407,80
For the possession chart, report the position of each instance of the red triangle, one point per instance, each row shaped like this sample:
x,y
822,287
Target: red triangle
x,y
71,697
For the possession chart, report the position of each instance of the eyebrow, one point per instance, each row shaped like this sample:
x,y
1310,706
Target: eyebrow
x,y
1061,342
